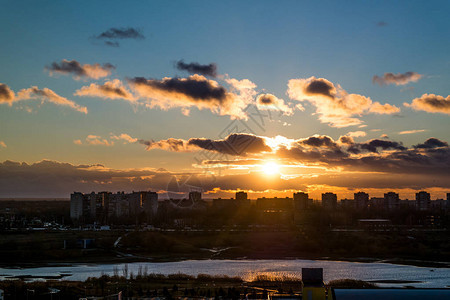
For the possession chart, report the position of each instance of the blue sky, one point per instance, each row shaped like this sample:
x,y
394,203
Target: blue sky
x,y
266,42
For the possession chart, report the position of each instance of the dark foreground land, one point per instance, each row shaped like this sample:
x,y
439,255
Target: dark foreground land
x,y
35,248
175,286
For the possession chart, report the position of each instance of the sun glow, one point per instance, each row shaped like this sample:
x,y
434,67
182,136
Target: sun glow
x,y
271,168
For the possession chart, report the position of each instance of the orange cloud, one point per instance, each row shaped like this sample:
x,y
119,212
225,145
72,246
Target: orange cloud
x,y
46,94
271,102
109,90
333,104
431,103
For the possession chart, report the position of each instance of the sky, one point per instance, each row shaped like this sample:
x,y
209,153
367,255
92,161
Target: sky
x,y
267,97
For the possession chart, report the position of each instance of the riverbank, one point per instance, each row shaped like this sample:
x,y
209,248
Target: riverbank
x,y
38,249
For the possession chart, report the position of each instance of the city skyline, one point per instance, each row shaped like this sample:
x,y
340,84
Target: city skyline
x,y
262,97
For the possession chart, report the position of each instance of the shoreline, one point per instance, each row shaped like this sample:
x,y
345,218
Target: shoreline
x,y
142,259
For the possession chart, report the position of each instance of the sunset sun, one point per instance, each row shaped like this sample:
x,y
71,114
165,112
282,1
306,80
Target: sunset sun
x,y
271,168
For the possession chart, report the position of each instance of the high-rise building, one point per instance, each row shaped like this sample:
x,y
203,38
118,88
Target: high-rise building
x,y
301,201
361,200
329,200
104,206
391,201
195,196
149,202
423,200
241,196
76,205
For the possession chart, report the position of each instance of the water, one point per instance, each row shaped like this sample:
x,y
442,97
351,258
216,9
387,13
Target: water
x,y
248,269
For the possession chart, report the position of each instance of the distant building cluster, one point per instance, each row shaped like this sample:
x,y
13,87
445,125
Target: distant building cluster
x,y
109,208
105,207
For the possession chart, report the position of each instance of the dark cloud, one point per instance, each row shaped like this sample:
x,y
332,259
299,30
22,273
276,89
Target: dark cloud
x,y
320,86
171,144
73,67
110,36
431,103
234,144
376,144
319,141
196,68
397,79
6,94
431,143
121,33
51,178
239,144
195,90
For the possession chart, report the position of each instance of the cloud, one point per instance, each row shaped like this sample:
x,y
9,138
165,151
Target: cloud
x,y
50,178
196,90
431,143
171,144
46,94
333,104
271,102
358,133
6,94
126,138
109,90
375,155
196,68
79,71
378,108
234,144
397,79
110,36
96,140
412,131
3,144
431,103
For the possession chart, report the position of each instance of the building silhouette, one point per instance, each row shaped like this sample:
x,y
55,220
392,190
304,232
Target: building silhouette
x,y
361,200
423,200
301,201
104,207
391,201
329,200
